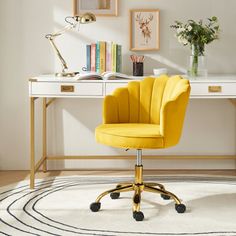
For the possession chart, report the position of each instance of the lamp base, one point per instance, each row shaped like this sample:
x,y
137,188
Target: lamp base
x,y
66,74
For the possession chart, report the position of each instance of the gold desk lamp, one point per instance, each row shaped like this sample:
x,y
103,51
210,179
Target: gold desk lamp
x,y
84,19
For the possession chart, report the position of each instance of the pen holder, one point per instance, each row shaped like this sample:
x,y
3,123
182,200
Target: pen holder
x,y
137,68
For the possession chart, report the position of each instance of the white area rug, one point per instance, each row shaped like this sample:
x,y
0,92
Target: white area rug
x,y
60,206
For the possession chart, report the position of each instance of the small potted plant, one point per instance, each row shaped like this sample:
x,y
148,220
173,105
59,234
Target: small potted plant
x,y
196,35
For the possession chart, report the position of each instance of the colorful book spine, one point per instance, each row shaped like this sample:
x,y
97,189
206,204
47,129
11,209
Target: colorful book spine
x,y
118,58
93,57
102,66
98,57
108,56
114,51
104,56
88,57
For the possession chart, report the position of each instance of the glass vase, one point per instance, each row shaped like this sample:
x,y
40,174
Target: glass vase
x,y
197,62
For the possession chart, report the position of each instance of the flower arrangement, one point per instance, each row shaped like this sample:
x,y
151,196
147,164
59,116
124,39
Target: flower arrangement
x,y
197,35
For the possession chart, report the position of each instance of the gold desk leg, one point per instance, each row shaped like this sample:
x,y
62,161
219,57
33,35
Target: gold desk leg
x,y
32,158
45,134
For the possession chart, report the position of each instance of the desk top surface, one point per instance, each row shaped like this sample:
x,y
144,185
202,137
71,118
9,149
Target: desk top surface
x,y
228,78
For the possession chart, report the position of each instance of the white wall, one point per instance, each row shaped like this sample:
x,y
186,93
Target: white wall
x,y
210,126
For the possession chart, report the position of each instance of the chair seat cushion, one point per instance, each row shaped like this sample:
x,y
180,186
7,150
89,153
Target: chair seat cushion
x,y
130,135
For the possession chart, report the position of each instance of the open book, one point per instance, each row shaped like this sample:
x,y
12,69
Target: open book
x,y
108,75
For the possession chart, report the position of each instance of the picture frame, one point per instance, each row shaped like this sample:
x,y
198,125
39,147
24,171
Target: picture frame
x,y
144,29
97,7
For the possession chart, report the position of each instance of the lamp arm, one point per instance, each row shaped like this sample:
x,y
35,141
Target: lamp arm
x,y
60,32
51,38
63,62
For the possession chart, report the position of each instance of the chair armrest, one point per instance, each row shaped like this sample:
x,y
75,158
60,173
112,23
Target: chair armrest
x,y
172,117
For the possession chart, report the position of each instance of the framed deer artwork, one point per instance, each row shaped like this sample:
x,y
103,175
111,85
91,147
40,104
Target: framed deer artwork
x,y
144,29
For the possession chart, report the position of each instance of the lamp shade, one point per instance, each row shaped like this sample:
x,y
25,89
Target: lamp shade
x,y
87,18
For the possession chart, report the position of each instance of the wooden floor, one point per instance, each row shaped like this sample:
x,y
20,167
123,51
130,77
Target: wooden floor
x,y
9,177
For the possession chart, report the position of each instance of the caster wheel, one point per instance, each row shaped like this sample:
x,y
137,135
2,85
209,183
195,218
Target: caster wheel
x,y
138,215
180,208
115,195
95,206
165,197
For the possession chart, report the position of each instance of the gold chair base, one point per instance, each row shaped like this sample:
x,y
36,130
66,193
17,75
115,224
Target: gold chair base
x,y
138,187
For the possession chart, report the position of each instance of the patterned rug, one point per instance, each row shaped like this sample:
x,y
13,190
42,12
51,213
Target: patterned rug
x,y
60,206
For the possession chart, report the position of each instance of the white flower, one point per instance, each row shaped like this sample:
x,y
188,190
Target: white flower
x,y
179,30
190,28
182,40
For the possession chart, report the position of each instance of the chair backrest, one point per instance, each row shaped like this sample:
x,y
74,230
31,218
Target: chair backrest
x,y
143,101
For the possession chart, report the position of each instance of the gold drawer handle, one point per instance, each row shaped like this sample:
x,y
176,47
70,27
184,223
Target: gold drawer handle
x,y
67,88
214,89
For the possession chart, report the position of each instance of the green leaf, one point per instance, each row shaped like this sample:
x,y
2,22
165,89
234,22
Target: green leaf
x,y
214,18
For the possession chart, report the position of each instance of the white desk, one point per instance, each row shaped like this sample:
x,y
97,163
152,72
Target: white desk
x,y
49,87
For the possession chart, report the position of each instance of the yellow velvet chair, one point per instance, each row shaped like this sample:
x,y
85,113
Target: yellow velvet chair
x,y
144,115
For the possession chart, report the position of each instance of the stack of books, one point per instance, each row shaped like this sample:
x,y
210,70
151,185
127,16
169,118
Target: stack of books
x,y
103,56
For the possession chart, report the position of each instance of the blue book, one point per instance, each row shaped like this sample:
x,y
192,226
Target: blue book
x,y
88,57
98,57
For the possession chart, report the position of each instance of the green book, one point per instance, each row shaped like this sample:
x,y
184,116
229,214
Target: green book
x,y
118,58
114,51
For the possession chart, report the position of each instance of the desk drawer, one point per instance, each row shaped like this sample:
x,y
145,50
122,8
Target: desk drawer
x,y
213,89
110,87
67,89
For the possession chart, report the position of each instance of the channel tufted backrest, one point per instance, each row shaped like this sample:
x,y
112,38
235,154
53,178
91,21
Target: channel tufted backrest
x,y
142,101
